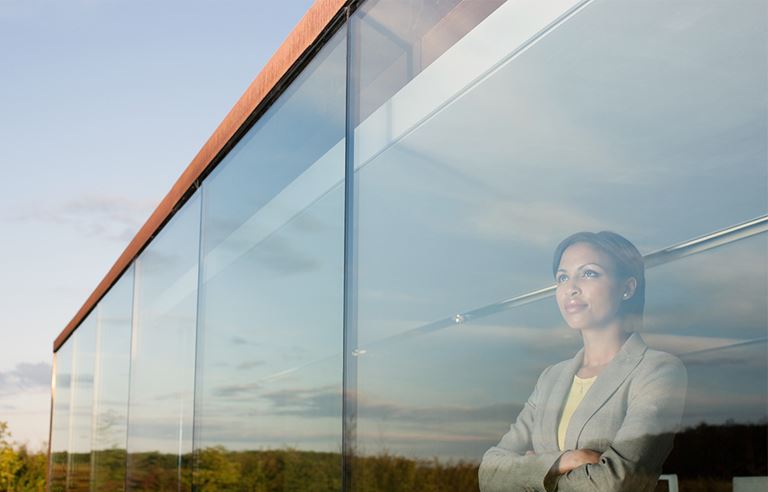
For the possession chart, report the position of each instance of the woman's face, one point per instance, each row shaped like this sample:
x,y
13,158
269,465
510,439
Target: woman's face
x,y
589,293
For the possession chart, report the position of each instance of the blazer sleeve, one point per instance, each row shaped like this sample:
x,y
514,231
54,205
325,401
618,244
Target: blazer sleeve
x,y
506,467
634,459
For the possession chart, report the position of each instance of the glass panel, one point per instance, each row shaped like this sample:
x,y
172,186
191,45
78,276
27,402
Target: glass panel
x,y
546,119
111,387
60,421
402,38
269,366
163,356
81,416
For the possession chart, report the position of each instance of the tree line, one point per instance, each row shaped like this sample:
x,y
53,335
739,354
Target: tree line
x,y
705,458
21,470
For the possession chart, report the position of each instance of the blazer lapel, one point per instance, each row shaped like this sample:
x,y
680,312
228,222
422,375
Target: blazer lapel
x,y
555,401
604,387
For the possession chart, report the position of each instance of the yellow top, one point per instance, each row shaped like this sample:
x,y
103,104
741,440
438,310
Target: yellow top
x,y
578,389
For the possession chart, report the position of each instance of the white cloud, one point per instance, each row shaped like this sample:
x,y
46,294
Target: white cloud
x,y
112,217
26,376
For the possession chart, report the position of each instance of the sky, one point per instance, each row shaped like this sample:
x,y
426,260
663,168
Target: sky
x,y
103,104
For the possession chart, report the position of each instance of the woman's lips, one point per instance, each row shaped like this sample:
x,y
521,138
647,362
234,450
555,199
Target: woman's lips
x,y
574,307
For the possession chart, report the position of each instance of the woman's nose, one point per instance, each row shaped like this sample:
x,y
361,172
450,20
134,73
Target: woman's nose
x,y
572,289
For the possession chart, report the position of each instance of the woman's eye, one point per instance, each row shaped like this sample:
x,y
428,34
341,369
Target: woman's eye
x,y
561,278
591,274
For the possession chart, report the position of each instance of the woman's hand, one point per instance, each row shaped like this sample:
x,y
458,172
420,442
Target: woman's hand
x,y
574,459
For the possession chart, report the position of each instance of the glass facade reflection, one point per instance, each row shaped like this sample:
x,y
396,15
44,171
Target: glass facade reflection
x,y
110,402
81,406
360,296
58,461
162,380
269,365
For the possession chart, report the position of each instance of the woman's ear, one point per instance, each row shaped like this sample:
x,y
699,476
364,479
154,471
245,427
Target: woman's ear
x,y
629,288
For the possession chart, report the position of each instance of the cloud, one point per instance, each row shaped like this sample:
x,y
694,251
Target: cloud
x,y
25,376
250,364
113,218
537,223
280,256
238,340
530,337
235,390
438,414
172,396
313,403
711,404
326,402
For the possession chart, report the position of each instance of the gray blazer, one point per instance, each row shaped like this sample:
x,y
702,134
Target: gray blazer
x,y
629,415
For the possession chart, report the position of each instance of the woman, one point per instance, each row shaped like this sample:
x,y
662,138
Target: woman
x,y
605,419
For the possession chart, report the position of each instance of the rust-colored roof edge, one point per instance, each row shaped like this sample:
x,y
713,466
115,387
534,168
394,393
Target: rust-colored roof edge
x,y
310,31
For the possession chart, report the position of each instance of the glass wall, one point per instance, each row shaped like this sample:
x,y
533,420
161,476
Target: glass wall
x,y
163,356
269,365
59,454
110,402
376,303
541,122
81,407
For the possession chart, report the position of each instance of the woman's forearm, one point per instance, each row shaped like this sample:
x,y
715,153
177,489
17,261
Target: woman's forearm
x,y
502,470
573,459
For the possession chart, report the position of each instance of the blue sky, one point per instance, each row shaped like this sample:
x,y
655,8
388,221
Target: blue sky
x,y
102,106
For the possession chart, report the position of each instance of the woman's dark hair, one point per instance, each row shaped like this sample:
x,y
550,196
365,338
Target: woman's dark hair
x,y
628,260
